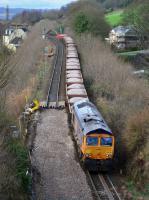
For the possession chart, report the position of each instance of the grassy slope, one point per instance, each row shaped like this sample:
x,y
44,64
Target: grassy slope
x,y
120,97
114,18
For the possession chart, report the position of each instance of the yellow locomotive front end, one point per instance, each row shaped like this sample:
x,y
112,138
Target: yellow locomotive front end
x,y
96,140
98,151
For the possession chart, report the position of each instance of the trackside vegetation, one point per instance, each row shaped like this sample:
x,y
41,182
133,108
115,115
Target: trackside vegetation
x,y
20,153
123,100
15,90
120,96
87,17
137,15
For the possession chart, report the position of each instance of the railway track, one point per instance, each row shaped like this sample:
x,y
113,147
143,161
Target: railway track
x,y
101,184
103,187
53,100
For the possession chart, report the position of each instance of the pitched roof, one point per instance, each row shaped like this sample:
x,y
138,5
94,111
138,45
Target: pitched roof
x,y
16,40
124,30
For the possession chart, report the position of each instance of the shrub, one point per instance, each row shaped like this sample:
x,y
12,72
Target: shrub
x,y
4,120
137,15
137,129
17,101
88,17
22,162
81,23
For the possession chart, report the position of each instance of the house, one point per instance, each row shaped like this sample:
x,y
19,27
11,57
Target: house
x,y
124,37
7,32
13,37
15,43
19,33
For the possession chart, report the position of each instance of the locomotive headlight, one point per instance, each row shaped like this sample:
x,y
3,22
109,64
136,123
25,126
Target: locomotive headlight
x,y
109,155
88,155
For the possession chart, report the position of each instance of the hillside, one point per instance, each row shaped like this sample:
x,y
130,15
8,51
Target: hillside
x,y
12,12
114,4
123,100
24,83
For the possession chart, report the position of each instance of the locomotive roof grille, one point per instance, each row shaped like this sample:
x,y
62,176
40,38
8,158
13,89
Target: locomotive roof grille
x,y
89,118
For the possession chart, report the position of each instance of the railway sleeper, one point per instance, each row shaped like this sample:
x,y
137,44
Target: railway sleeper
x,y
59,105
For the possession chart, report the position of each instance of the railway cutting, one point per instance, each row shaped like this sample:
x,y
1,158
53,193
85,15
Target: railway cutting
x,y
54,154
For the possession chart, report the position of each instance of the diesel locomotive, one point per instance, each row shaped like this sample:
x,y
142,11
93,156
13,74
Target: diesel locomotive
x,y
95,139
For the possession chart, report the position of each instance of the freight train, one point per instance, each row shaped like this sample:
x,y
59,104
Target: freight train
x,y
94,138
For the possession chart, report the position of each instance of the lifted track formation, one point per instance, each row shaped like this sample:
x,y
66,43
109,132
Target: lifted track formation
x,y
53,100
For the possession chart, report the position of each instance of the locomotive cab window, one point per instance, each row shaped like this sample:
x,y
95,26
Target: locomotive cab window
x,y
106,141
92,141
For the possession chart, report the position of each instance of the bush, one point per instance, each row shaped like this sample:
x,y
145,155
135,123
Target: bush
x,y
137,15
22,162
87,17
137,128
5,120
81,23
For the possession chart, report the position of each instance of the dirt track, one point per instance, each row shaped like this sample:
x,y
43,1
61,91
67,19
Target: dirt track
x,y
61,177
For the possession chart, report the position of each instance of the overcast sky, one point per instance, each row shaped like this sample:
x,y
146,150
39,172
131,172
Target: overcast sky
x,y
40,4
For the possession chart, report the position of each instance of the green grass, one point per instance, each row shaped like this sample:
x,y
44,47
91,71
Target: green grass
x,y
114,18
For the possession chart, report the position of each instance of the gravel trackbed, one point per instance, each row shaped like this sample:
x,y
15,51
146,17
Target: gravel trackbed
x,y
60,174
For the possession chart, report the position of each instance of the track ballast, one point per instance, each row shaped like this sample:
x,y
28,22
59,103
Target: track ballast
x,y
103,187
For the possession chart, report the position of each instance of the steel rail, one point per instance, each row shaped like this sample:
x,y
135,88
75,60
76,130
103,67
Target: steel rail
x,y
93,185
54,86
61,64
54,66
102,188
113,188
106,188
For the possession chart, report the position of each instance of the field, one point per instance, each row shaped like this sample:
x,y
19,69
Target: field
x,y
114,18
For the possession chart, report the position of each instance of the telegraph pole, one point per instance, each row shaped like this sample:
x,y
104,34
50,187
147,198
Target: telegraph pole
x,y
7,14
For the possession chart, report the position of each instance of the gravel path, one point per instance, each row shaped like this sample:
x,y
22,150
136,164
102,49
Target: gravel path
x,y
61,177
